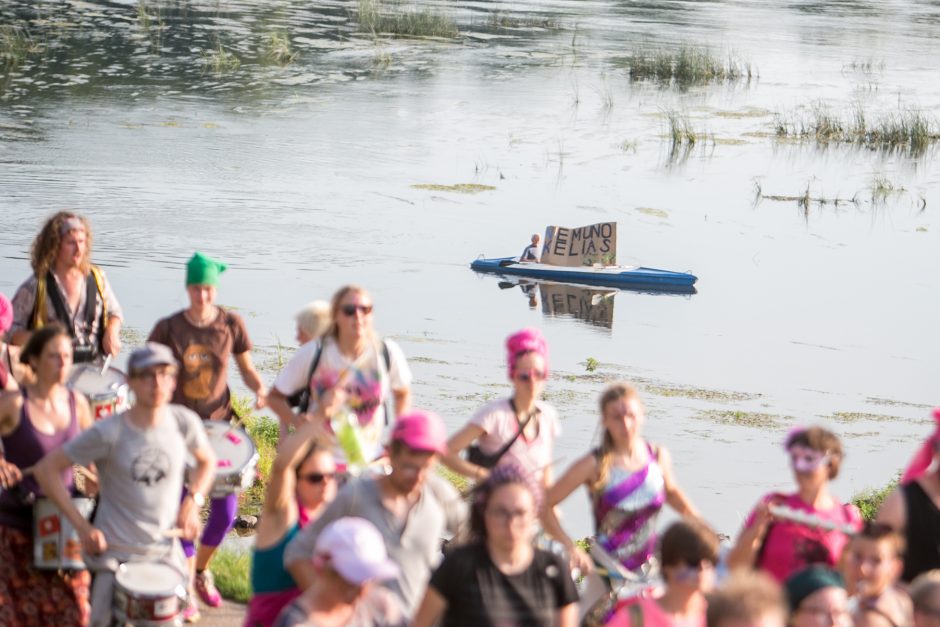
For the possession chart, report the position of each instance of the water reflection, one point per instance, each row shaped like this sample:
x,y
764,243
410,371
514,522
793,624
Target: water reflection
x,y
587,304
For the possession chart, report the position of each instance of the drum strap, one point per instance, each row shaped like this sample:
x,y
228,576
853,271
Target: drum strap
x,y
46,287
303,397
636,615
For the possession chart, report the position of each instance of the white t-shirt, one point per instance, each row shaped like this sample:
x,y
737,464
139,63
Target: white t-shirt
x,y
498,421
367,386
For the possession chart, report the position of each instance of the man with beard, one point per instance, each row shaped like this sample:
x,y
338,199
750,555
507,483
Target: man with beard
x,y
67,288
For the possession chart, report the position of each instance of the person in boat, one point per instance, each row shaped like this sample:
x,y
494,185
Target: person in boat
x,y
33,422
371,372
500,578
411,506
350,559
9,355
202,338
531,252
782,547
747,599
521,429
301,483
142,458
817,596
313,320
629,480
872,564
67,288
913,508
688,555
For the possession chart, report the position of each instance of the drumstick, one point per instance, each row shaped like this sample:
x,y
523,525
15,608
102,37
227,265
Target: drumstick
x,y
172,533
808,520
107,362
87,473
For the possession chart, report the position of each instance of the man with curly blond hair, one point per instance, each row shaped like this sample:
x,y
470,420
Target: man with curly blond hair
x,y
67,288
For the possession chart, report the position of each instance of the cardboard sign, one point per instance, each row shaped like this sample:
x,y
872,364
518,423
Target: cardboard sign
x,y
593,306
581,246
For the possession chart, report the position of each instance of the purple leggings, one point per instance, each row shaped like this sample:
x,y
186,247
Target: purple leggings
x,y
221,518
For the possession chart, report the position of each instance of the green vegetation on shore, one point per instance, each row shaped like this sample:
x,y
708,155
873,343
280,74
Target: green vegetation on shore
x,y
264,433
230,567
868,501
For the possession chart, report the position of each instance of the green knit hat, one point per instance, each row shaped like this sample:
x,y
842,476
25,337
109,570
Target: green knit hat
x,y
810,580
201,270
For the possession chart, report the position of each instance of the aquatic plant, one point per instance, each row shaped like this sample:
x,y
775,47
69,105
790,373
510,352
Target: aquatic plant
x,y
276,50
374,17
16,44
151,25
499,19
591,364
683,137
689,65
909,130
220,60
882,188
460,188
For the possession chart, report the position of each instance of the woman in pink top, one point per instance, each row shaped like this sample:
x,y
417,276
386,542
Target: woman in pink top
x,y
688,554
520,429
781,546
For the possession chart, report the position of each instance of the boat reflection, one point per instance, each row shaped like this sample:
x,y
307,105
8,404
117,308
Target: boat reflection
x,y
592,305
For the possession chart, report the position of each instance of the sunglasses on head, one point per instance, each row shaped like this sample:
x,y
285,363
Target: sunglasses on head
x,y
807,460
529,375
318,477
350,310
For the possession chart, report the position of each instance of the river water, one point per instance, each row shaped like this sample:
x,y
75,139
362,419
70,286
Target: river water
x,y
301,177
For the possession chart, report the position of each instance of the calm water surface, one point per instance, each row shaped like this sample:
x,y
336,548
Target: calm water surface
x,y
301,177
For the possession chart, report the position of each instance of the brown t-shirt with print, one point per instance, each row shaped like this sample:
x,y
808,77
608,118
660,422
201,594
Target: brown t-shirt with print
x,y
203,354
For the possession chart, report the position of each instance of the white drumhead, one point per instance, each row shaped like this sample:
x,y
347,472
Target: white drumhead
x,y
232,446
87,379
150,578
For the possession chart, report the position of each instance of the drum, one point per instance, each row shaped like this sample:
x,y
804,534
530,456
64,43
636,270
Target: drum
x,y
107,393
148,594
236,457
56,545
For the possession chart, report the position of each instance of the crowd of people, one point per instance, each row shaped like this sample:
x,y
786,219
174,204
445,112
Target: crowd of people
x,y
358,527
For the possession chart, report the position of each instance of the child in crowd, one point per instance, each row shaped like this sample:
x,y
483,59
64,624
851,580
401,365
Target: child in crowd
x,y
747,599
688,554
817,596
925,594
872,567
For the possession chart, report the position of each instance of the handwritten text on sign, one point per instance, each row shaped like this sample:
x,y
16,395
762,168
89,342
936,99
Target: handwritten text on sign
x,y
581,246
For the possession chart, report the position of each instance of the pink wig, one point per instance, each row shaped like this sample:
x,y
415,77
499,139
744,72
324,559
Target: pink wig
x,y
525,341
924,456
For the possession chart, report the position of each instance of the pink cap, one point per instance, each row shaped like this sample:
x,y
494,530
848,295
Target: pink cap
x,y
525,341
421,430
354,548
6,314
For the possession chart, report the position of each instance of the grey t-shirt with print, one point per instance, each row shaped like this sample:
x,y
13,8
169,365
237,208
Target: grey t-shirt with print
x,y
141,472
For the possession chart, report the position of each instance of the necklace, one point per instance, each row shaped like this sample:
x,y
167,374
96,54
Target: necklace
x,y
201,322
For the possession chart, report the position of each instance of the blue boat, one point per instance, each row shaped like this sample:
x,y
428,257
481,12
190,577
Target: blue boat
x,y
609,276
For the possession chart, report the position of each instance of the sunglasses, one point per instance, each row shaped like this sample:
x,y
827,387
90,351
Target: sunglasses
x,y
350,310
318,477
804,460
530,375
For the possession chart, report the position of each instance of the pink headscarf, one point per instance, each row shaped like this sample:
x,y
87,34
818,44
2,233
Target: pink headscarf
x,y
6,315
924,456
525,341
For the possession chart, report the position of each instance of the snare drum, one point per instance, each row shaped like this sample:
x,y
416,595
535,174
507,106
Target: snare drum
x,y
107,393
56,545
148,594
236,458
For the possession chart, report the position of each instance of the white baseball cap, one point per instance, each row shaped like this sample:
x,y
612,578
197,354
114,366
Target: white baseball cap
x,y
356,551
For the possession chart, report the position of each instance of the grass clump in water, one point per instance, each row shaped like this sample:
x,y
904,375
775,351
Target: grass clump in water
x,y
909,130
374,17
220,60
460,188
683,137
276,50
230,567
882,188
690,65
16,44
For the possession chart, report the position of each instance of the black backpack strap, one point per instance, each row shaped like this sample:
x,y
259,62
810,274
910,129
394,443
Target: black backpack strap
x,y
304,404
386,356
58,304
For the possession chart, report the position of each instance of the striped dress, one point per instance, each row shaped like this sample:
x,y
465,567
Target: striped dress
x,y
625,512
